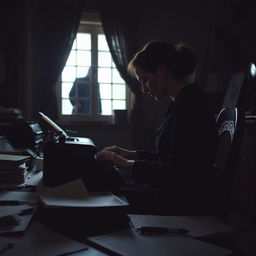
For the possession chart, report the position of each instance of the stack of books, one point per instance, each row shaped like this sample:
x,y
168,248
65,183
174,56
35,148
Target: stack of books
x,y
10,113
13,169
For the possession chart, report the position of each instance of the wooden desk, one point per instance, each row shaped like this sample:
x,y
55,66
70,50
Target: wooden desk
x,y
59,222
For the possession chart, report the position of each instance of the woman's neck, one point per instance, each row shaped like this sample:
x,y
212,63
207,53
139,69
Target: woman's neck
x,y
175,87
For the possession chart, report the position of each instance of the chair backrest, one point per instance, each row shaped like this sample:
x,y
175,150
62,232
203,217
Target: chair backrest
x,y
240,89
230,125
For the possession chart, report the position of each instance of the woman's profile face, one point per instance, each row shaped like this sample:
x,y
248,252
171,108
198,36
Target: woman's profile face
x,y
152,83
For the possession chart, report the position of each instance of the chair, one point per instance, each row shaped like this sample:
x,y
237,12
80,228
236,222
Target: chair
x,y
239,92
230,125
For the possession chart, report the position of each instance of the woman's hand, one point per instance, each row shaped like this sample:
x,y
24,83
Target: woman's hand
x,y
115,158
129,154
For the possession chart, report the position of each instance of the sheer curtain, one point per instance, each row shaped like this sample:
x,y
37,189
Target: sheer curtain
x,y
52,30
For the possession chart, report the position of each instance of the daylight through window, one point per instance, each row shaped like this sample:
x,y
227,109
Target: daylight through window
x,y
91,86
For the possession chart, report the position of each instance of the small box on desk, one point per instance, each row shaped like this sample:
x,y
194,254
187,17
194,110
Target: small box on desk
x,y
72,210
68,160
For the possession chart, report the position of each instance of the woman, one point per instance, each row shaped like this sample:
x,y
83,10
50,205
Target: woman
x,y
180,171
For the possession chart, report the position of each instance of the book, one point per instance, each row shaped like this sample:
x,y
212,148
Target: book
x,y
12,160
13,169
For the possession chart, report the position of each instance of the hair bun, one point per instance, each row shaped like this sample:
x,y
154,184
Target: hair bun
x,y
187,58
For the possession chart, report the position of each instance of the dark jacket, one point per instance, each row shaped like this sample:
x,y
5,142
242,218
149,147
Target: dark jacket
x,y
79,94
180,172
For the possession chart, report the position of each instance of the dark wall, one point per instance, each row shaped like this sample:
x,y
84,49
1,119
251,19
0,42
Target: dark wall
x,y
12,46
235,34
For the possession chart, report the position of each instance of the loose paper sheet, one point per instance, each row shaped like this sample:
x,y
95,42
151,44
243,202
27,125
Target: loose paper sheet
x,y
75,194
40,241
198,226
130,242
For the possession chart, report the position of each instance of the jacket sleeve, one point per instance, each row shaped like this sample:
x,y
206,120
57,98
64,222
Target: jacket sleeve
x,y
149,171
147,155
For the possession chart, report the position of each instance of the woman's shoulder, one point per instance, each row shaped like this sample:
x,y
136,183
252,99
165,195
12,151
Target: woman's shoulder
x,y
192,99
190,92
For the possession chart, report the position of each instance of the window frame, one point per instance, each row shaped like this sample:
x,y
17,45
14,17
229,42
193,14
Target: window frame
x,y
94,27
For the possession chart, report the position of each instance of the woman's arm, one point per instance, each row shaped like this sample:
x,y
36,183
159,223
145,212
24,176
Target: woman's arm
x,y
115,158
124,158
125,153
147,155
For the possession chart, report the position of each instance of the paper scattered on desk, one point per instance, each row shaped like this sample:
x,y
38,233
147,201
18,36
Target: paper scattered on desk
x,y
13,209
129,242
18,196
75,194
40,241
16,218
198,226
21,223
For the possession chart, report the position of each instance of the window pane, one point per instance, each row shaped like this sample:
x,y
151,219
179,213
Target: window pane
x,y
119,104
66,107
104,75
83,41
83,58
105,91
82,71
102,43
71,58
106,107
104,59
113,65
116,77
66,87
69,74
119,91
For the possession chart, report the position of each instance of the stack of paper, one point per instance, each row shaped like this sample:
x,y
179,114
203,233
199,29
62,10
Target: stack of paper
x,y
13,169
75,194
72,209
10,113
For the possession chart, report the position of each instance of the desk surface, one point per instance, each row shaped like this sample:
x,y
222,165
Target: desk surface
x,y
68,223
